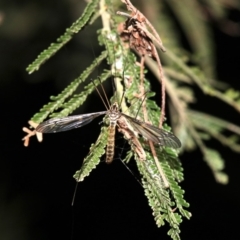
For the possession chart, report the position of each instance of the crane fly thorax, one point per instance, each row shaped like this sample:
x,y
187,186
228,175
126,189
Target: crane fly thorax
x,y
114,113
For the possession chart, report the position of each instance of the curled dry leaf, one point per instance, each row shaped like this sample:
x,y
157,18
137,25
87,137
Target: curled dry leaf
x,y
137,37
31,133
135,31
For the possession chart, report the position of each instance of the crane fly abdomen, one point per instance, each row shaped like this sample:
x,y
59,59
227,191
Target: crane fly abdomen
x,y
110,142
113,115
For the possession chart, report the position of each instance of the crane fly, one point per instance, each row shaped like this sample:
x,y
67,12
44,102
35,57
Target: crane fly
x,y
148,131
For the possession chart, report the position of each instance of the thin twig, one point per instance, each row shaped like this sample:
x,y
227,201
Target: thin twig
x,y
146,119
140,39
131,8
104,15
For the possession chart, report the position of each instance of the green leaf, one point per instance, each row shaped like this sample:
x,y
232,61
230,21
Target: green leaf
x,y
216,163
58,101
65,38
93,158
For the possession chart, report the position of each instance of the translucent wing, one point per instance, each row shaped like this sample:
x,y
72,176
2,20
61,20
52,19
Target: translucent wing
x,y
67,123
154,134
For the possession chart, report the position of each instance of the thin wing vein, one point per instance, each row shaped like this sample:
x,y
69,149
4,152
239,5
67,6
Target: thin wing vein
x,y
67,123
154,134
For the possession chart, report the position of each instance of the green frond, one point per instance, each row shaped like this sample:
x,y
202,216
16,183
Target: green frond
x,y
231,97
78,99
93,158
176,75
58,101
195,74
215,128
174,163
65,38
154,188
161,172
174,234
216,163
197,31
176,190
158,195
160,198
106,39
128,157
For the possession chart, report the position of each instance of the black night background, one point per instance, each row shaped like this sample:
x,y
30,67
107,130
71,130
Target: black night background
x,y
36,183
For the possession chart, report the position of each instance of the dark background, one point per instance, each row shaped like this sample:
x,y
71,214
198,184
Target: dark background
x,y
36,183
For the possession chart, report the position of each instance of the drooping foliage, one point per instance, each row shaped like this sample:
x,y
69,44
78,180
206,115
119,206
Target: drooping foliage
x,y
161,170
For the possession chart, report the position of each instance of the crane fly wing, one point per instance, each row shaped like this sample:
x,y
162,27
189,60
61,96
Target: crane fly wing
x,y
67,123
154,134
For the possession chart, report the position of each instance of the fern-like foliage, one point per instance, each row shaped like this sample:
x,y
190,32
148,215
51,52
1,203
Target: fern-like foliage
x,y
161,169
162,199
181,77
93,158
65,38
76,101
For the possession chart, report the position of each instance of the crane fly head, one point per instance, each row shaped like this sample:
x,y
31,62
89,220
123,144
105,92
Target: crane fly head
x,y
113,113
